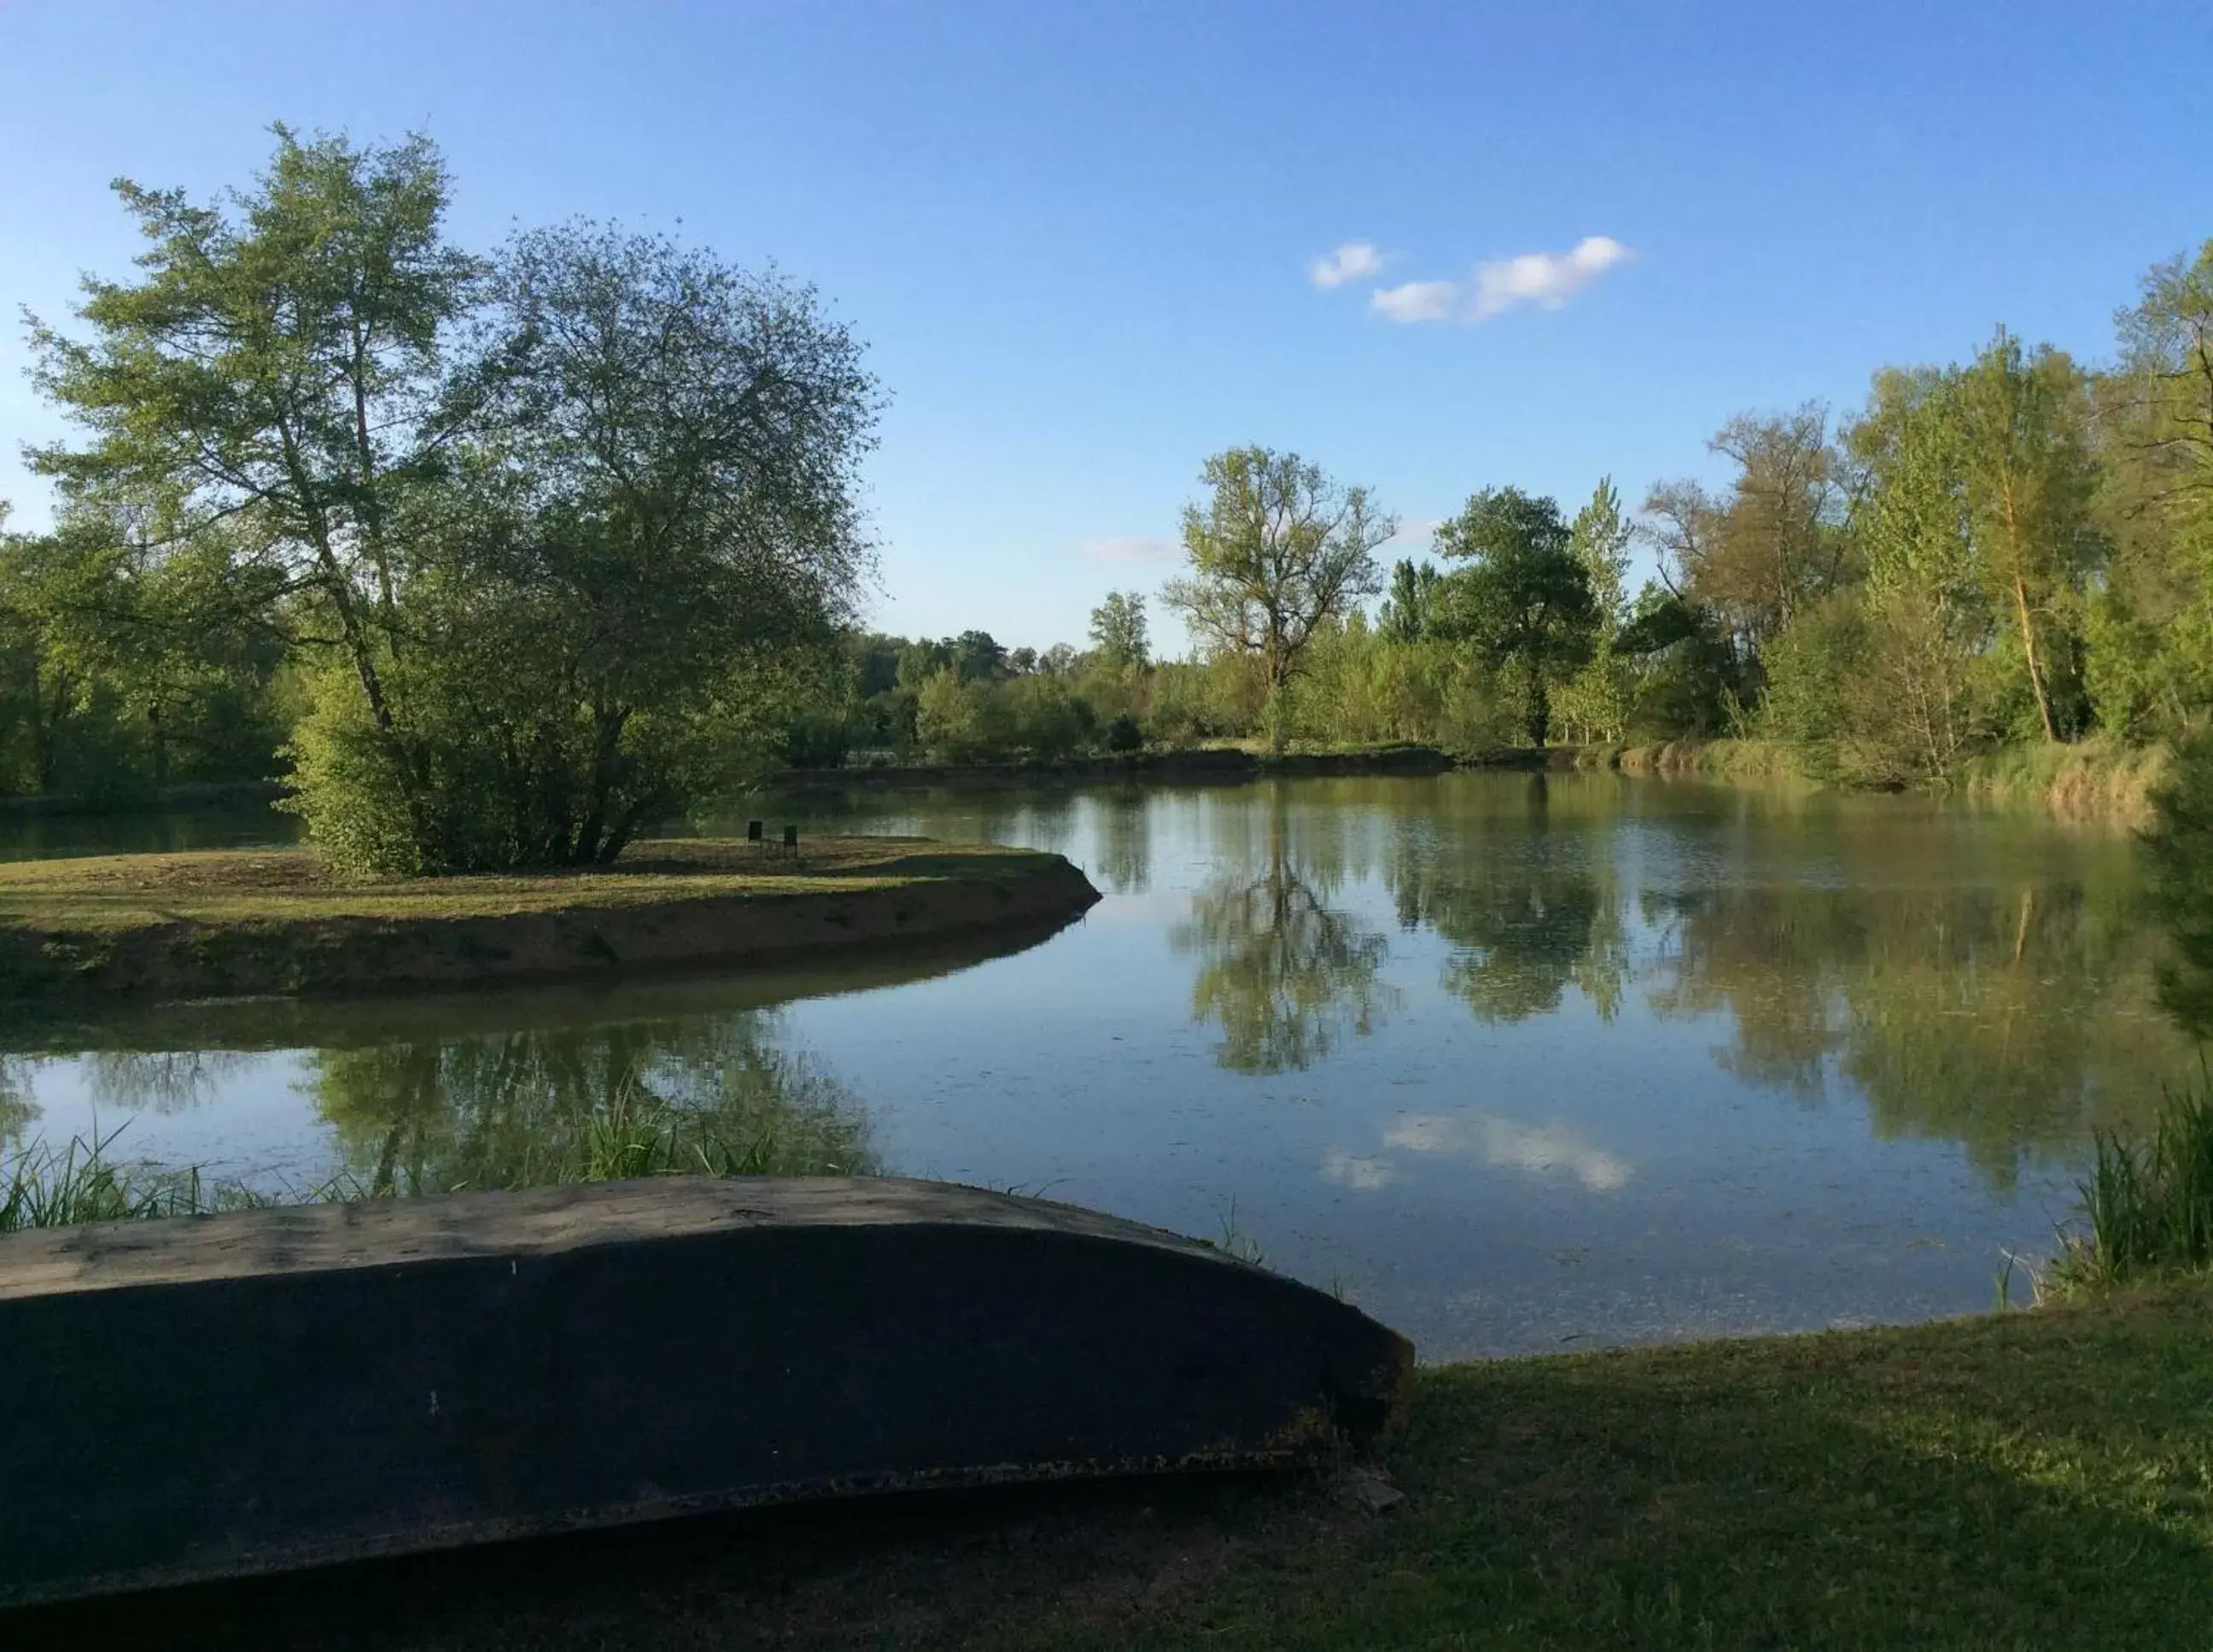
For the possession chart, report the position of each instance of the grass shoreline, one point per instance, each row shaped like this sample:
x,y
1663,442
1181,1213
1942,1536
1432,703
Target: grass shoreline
x,y
2037,1478
223,923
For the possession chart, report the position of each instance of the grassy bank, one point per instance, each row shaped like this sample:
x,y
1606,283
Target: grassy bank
x,y
2033,1479
2091,779
1722,760
247,921
2094,779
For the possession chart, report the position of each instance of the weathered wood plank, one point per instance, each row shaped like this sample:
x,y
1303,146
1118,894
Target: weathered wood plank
x,y
219,1396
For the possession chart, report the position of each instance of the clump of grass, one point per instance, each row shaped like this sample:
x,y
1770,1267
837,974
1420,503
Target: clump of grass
x,y
639,1135
45,1187
1730,758
2096,778
2148,1209
1235,1242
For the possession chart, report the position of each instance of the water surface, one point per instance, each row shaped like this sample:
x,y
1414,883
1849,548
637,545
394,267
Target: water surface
x,y
1517,1061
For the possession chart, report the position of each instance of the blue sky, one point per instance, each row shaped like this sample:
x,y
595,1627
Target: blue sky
x,y
1079,238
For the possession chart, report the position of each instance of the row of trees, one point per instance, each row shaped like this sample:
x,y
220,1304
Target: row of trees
x,y
2017,549
498,558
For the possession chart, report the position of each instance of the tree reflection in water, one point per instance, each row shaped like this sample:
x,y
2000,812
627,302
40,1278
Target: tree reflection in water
x,y
1524,908
1282,972
522,1108
17,1109
2014,1020
1124,845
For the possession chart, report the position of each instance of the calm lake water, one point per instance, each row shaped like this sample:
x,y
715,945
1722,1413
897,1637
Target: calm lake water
x,y
1516,1062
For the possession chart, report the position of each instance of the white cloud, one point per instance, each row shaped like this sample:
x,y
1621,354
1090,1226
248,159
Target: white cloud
x,y
1547,278
1353,261
1505,1144
1132,548
1417,301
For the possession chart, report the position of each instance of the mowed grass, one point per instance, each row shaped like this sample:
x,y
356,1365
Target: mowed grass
x,y
235,885
2037,1478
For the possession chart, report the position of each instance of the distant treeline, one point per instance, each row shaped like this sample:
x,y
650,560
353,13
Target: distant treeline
x,y
2013,551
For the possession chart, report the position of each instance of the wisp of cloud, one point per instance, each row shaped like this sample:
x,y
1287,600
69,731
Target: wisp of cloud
x,y
1352,261
1546,279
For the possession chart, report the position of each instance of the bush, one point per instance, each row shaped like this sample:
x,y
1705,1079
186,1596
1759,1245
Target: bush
x,y
2180,848
955,720
1124,735
2150,1209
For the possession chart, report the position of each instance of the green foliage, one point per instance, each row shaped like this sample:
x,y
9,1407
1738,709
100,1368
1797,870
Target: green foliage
x,y
1118,631
2179,848
122,671
2148,1209
43,1186
277,379
513,555
2028,477
1276,552
2151,628
1593,705
955,720
1525,601
1406,614
551,513
1756,557
1363,687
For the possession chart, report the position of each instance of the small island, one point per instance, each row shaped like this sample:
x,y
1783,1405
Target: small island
x,y
280,921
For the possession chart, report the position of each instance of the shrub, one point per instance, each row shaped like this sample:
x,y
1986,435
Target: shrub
x,y
2180,847
2150,1209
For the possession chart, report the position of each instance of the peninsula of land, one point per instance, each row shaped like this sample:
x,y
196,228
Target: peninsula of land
x,y
277,921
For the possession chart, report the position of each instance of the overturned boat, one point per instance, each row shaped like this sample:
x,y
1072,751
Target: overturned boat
x,y
220,1396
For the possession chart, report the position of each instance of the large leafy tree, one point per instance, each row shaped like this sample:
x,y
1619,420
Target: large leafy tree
x,y
1773,544
1922,697
1595,702
2151,665
651,531
2028,478
1405,613
548,533
2180,846
1118,630
1524,599
278,371
1277,550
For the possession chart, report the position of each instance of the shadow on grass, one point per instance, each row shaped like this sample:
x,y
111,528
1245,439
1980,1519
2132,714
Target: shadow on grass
x,y
2034,1480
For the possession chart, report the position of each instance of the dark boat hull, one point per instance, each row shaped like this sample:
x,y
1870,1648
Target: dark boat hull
x,y
281,1388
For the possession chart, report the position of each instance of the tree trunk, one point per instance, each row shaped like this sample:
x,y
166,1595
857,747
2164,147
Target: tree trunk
x,y
1537,709
2035,670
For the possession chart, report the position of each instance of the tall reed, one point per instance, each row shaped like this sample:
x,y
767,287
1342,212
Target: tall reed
x,y
44,1186
2148,1209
